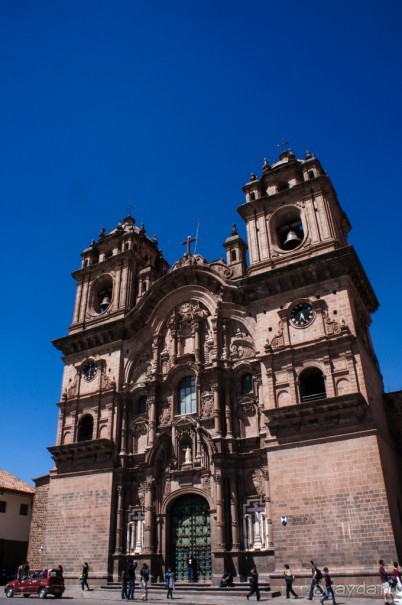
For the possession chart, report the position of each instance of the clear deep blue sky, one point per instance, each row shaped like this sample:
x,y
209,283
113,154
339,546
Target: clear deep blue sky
x,y
169,105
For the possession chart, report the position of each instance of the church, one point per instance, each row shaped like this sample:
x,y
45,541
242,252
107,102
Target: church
x,y
229,410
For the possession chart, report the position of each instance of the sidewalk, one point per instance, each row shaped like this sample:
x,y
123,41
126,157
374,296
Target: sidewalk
x,y
224,597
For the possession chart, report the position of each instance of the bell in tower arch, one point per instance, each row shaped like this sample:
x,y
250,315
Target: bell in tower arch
x,y
292,240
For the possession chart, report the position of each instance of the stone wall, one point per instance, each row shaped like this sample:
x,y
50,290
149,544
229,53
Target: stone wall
x,y
38,522
335,500
78,523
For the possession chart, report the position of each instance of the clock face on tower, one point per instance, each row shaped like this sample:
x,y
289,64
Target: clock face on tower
x,y
89,370
302,314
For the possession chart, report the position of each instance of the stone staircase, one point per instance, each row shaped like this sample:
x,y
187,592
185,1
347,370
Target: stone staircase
x,y
239,589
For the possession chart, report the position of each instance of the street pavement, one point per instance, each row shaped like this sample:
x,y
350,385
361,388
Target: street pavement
x,y
158,597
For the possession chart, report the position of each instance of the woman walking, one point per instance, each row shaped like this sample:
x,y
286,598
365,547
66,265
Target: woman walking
x,y
169,583
144,575
289,577
84,576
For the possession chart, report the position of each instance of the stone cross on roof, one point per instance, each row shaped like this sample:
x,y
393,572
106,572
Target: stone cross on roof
x,y
187,243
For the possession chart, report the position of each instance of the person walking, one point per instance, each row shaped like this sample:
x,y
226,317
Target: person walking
x,y
386,588
124,583
84,576
144,575
253,581
289,578
328,587
315,580
397,576
169,583
131,567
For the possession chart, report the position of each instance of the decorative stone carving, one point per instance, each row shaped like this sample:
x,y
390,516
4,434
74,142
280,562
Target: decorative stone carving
x,y
72,389
189,260
165,416
222,268
190,310
206,484
278,340
106,383
331,326
207,405
258,480
142,488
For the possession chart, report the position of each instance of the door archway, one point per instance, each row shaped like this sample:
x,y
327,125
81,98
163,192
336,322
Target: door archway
x,y
190,534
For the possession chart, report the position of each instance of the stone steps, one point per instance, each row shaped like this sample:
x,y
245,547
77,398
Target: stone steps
x,y
240,589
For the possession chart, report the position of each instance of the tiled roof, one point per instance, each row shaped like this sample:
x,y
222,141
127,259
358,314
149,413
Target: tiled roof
x,y
8,481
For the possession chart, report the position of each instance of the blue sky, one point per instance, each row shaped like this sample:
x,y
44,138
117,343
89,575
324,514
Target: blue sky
x,y
169,105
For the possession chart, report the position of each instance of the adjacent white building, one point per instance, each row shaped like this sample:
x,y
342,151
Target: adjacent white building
x,y
16,500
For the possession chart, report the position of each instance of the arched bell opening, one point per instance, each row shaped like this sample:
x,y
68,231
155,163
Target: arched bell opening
x,y
102,293
312,385
287,228
190,537
85,428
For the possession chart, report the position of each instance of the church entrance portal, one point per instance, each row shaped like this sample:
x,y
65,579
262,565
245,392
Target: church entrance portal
x,y
190,534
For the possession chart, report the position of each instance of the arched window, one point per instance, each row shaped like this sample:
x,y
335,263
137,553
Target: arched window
x,y
187,396
85,428
246,384
142,405
312,385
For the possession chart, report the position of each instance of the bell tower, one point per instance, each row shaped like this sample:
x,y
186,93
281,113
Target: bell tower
x,y
291,213
116,272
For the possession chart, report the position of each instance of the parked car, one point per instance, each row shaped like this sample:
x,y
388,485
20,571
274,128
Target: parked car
x,y
39,582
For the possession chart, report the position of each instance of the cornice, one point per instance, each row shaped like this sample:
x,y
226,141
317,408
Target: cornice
x,y
244,292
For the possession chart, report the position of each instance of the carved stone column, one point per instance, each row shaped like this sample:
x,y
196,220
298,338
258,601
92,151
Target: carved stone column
x,y
328,376
217,412
235,516
152,418
215,336
228,412
109,408
173,332
353,377
268,509
149,518
219,512
119,519
293,384
77,305
155,352
123,436
197,343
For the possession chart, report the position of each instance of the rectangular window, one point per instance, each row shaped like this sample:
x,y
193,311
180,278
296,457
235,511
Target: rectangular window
x,y
24,509
3,506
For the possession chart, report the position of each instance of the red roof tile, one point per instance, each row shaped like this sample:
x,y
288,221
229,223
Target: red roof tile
x,y
8,481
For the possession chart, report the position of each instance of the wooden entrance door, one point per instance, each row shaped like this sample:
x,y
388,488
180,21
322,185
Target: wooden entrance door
x,y
190,535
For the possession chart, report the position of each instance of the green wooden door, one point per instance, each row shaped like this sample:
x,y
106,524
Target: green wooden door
x,y
190,534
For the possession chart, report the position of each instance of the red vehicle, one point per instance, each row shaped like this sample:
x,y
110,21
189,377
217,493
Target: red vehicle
x,y
39,582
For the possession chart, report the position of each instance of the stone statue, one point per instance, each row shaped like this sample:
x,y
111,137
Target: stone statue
x,y
187,456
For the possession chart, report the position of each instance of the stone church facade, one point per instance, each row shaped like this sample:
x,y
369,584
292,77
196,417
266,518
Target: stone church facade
x,y
233,411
